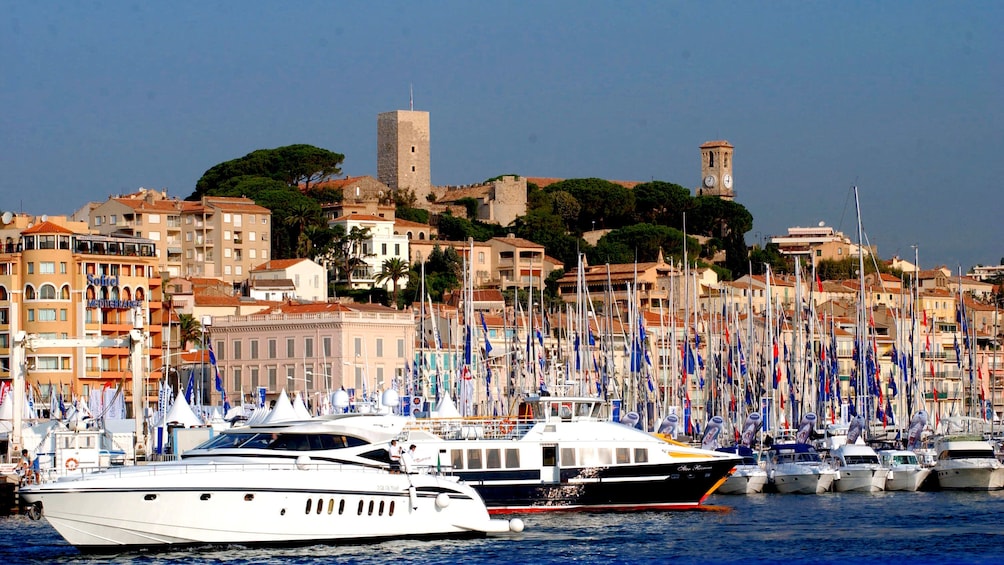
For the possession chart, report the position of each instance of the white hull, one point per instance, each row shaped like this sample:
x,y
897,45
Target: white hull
x,y
906,479
803,481
747,479
984,474
867,478
169,504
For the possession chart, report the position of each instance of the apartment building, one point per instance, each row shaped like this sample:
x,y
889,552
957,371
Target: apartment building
x,y
218,236
57,280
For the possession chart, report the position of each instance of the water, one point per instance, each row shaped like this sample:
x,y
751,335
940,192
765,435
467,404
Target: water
x,y
922,527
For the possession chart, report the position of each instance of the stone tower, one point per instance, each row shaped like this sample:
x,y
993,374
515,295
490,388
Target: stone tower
x,y
403,157
716,170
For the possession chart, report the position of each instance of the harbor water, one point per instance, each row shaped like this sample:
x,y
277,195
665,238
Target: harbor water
x,y
892,527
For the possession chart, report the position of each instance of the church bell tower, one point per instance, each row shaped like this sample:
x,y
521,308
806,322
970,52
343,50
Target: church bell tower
x,y
716,170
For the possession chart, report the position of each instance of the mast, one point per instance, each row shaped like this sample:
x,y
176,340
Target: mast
x,y
860,333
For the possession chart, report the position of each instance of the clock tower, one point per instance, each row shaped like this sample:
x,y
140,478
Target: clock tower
x,y
716,170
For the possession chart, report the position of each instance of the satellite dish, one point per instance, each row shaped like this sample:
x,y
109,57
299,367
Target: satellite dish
x,y
821,224
7,217
45,218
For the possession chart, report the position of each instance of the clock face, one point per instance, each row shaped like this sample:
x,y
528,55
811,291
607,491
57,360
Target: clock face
x,y
709,181
727,181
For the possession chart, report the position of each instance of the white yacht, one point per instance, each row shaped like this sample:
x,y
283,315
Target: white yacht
x,y
290,483
797,468
748,478
905,470
967,463
858,469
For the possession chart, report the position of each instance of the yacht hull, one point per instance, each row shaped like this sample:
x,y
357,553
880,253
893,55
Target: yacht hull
x,y
974,477
675,486
255,505
802,482
747,479
865,479
906,479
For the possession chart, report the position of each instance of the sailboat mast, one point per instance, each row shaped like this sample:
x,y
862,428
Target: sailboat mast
x,y
862,337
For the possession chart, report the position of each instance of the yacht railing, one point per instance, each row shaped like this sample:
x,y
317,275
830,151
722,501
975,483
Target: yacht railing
x,y
472,428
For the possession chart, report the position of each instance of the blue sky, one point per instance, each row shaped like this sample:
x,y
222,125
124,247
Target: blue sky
x,y
902,99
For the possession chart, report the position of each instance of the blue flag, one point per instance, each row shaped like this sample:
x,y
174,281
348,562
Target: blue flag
x,y
484,327
190,387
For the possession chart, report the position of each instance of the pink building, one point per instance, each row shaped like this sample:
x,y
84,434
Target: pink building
x,y
314,348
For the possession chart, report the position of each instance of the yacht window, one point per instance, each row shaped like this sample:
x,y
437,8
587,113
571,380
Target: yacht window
x,y
967,454
331,506
640,455
370,511
860,459
391,512
320,505
225,440
512,459
259,441
493,459
567,457
549,455
310,501
291,442
360,510
457,458
603,456
341,507
380,511
473,458
623,456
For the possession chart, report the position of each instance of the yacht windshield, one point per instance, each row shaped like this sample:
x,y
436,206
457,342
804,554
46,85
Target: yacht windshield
x,y
283,441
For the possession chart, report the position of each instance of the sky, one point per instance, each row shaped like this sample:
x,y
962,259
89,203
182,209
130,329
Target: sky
x,y
904,100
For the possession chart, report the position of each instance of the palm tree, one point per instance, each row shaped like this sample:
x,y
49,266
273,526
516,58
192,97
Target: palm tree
x,y
303,217
189,330
393,269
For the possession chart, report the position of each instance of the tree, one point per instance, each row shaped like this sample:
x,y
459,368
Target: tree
x,y
346,252
642,242
664,203
294,165
600,201
442,273
304,217
393,269
189,330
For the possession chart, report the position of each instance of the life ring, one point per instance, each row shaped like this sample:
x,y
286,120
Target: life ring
x,y
71,464
506,427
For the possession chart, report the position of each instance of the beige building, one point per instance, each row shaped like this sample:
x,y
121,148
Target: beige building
x,y
59,281
500,201
217,237
651,281
317,348
520,262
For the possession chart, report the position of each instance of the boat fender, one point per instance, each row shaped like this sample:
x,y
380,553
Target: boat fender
x,y
303,462
516,525
442,500
72,464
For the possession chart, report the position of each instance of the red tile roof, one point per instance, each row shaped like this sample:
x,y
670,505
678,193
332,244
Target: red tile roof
x,y
278,264
46,227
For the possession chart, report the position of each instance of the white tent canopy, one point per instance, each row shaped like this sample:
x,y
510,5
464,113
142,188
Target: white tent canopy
x,y
182,413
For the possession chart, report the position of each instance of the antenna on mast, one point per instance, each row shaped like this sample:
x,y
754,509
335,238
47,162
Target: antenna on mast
x,y
411,97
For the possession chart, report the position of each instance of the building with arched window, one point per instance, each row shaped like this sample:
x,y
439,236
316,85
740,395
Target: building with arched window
x,y
57,280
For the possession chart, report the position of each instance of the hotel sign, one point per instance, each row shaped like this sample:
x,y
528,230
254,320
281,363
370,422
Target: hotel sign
x,y
106,281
